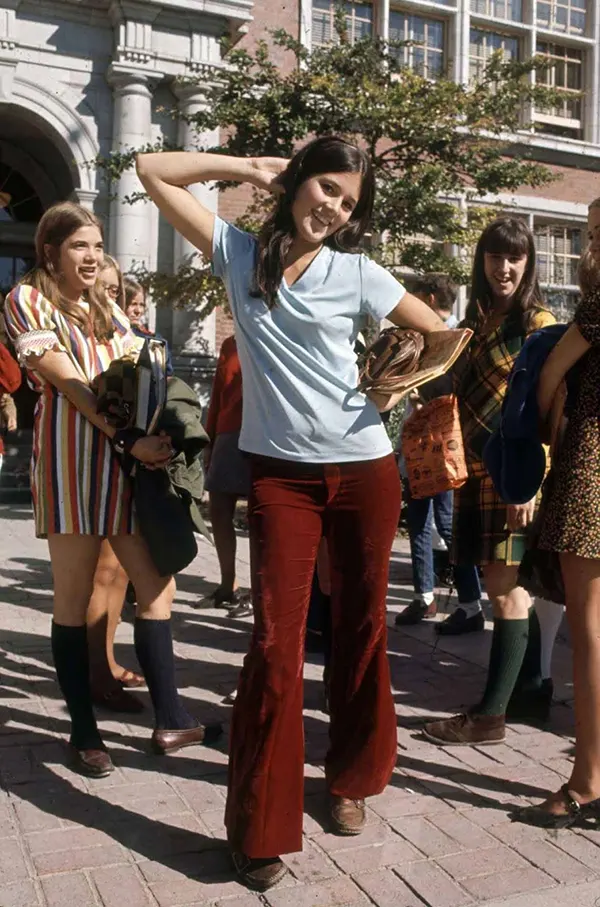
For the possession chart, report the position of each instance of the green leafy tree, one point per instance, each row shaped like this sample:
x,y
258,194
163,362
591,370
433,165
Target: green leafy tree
x,y
434,143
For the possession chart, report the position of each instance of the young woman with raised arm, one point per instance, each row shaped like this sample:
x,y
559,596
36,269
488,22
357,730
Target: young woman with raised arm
x,y
322,465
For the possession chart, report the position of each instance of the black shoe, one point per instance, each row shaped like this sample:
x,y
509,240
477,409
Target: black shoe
x,y
580,814
531,706
415,613
458,623
241,605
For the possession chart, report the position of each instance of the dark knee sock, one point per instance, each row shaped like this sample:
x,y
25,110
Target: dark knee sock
x,y
509,643
530,675
154,650
70,654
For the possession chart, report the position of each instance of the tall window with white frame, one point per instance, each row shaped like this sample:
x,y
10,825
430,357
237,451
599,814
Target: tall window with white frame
x,y
558,251
358,20
499,9
566,72
424,53
483,43
562,15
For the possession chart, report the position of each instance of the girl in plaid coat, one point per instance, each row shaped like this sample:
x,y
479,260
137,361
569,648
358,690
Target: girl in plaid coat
x,y
505,306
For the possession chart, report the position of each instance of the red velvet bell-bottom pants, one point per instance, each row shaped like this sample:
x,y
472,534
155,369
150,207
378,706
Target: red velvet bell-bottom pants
x,y
356,506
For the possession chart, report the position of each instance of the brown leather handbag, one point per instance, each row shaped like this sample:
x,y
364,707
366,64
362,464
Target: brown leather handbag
x,y
395,354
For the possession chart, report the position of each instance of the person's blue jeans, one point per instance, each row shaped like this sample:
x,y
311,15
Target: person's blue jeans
x,y
420,515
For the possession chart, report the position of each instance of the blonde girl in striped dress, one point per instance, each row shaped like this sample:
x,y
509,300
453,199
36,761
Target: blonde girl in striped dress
x,y
66,332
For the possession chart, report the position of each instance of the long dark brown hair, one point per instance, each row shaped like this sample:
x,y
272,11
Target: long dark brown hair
x,y
57,224
505,236
327,154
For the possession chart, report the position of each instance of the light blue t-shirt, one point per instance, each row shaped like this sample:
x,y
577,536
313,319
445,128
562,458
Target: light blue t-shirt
x,y
298,362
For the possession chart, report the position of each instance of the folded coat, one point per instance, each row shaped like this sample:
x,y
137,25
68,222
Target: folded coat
x,y
167,500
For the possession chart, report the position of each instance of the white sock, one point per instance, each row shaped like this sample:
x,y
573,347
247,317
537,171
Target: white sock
x,y
426,598
470,608
550,616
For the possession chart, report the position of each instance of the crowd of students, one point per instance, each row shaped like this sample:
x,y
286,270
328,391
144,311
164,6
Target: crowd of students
x,y
315,458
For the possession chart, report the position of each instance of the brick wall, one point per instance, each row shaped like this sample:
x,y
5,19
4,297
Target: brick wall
x,y
269,16
572,185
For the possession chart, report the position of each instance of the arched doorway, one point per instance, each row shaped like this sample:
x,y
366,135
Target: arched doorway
x,y
20,210
33,175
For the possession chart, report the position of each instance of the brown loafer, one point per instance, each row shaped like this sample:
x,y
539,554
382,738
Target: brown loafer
x,y
164,742
467,730
93,763
259,873
349,817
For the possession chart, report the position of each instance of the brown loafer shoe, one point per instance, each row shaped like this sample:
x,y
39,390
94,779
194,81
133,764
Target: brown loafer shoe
x,y
415,613
467,730
349,817
93,763
164,742
259,873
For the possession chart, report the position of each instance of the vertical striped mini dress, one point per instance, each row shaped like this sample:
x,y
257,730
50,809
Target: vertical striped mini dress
x,y
77,483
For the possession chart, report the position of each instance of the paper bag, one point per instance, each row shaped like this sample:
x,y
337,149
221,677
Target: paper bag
x,y
433,449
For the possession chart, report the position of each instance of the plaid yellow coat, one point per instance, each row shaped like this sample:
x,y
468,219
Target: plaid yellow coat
x,y
480,534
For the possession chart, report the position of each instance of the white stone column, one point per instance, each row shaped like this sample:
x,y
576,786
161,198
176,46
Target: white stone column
x,y
192,337
86,197
130,233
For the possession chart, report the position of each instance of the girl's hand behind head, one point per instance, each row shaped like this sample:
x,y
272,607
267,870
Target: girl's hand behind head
x,y
265,173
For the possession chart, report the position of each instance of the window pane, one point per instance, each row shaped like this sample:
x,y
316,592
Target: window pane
x,y
543,14
559,249
426,55
359,21
501,9
562,15
484,43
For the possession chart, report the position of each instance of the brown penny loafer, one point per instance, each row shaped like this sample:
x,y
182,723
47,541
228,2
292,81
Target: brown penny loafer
x,y
259,873
348,817
93,763
164,742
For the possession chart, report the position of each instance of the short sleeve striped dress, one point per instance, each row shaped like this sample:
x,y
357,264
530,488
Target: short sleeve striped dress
x,y
77,484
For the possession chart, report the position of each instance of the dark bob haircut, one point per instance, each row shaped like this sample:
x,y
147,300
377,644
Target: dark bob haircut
x,y
505,236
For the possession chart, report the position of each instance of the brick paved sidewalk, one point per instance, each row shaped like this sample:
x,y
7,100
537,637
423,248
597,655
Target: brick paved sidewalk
x,y
152,833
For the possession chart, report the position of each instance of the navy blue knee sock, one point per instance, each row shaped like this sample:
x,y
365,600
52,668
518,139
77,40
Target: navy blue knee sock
x,y
154,650
70,654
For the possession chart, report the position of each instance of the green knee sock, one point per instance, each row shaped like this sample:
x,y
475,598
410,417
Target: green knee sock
x,y
509,644
530,675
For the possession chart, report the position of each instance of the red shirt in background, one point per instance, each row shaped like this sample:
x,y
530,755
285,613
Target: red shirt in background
x,y
10,378
225,407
